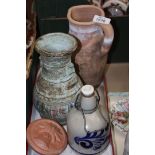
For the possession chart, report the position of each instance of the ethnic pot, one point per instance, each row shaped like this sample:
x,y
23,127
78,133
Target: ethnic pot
x,y
96,40
57,83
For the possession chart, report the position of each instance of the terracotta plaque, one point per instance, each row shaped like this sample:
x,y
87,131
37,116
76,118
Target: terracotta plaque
x,y
46,137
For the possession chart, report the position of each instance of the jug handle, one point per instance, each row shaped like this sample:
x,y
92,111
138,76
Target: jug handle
x,y
108,37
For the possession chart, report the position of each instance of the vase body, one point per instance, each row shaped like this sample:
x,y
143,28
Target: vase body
x,y
95,39
57,84
91,132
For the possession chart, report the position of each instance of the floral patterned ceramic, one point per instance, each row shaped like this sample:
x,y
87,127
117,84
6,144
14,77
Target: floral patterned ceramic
x,y
119,111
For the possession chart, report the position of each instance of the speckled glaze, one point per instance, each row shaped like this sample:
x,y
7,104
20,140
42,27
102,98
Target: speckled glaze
x,y
57,83
96,40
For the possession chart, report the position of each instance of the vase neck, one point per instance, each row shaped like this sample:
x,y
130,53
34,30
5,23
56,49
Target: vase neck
x,y
88,104
57,69
54,62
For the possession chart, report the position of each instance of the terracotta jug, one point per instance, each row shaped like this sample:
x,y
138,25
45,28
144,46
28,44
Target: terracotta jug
x,y
95,38
57,84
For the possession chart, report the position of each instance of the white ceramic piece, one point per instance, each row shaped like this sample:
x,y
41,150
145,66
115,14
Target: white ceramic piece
x,y
88,131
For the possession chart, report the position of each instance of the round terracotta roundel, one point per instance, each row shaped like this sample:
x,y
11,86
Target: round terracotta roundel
x,y
46,137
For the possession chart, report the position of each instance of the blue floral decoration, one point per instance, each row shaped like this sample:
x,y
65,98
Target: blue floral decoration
x,y
93,140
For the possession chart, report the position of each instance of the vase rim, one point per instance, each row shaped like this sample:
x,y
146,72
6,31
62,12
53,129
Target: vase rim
x,y
56,44
83,23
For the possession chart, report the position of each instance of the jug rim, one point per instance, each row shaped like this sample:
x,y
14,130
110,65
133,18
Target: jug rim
x,y
69,14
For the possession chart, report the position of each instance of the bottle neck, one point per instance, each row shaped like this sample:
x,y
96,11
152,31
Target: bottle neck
x,y
88,104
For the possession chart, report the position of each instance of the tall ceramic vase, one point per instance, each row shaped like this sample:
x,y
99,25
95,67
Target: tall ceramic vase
x,y
57,84
96,40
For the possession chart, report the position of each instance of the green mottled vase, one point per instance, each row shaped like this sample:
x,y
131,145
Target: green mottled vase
x,y
57,84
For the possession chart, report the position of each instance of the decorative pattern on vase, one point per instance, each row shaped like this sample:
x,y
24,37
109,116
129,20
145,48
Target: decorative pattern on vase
x,y
53,111
96,140
57,84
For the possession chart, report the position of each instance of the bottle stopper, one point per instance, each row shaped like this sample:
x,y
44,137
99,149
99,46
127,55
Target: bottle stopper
x,y
87,90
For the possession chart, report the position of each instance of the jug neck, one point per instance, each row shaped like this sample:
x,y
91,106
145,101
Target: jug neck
x,y
89,104
88,100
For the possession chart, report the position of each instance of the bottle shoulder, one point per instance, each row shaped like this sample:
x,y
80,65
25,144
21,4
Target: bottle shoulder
x,y
95,121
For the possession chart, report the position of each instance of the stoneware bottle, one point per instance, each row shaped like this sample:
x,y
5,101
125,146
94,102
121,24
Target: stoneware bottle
x,y
88,130
95,39
57,84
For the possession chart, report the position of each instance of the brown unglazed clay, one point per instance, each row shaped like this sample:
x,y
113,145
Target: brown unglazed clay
x,y
95,38
46,137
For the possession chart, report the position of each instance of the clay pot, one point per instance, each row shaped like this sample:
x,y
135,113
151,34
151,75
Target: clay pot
x,y
46,137
96,40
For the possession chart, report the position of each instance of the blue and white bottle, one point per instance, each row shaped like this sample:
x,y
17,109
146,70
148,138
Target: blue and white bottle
x,y
88,130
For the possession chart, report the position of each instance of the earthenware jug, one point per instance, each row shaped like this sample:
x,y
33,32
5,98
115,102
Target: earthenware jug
x,y
88,130
57,84
95,39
